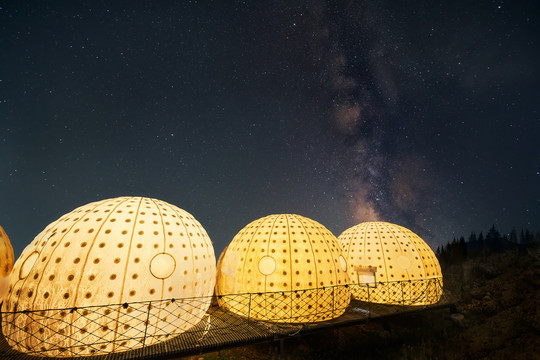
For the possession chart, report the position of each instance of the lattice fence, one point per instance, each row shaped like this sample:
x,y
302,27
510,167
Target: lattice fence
x,y
155,328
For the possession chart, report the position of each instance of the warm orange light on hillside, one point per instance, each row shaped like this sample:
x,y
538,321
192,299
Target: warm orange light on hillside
x,y
273,259
390,256
115,251
6,261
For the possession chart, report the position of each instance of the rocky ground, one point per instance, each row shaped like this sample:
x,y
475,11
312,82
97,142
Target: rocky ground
x,y
496,318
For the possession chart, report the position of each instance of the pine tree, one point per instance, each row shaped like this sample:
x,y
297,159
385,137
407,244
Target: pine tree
x,y
513,236
463,248
493,240
528,237
481,239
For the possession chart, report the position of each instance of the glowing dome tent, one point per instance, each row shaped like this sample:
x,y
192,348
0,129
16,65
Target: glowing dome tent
x,y
391,264
286,268
6,261
117,251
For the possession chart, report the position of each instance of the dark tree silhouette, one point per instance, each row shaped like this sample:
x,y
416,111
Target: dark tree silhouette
x,y
493,241
458,250
513,236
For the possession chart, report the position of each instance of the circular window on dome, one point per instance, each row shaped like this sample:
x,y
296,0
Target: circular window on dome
x,y
162,265
28,265
403,262
267,265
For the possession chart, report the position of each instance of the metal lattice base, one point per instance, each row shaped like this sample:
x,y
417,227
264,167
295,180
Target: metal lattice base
x,y
218,328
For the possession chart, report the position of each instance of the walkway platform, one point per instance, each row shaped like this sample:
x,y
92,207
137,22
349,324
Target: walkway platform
x,y
217,329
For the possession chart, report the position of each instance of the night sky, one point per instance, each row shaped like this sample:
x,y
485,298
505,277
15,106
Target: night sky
x,y
423,114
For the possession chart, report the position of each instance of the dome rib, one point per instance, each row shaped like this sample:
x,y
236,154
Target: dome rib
x,y
381,244
259,225
55,224
351,234
162,224
417,252
190,245
157,203
312,254
331,254
73,314
125,267
290,253
267,253
390,228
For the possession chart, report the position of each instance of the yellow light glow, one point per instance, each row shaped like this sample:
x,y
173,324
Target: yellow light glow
x,y
272,258
6,261
399,267
115,251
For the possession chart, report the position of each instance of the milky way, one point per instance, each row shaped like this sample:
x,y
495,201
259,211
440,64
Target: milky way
x,y
423,115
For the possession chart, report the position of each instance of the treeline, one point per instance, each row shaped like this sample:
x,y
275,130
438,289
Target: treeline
x,y
460,249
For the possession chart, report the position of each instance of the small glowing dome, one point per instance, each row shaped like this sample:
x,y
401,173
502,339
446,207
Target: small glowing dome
x,y
399,267
276,255
116,251
6,261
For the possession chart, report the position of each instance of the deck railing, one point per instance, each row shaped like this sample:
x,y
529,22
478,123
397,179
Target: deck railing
x,y
178,327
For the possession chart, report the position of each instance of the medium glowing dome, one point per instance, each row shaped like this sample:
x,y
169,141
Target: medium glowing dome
x,y
391,264
6,261
116,251
272,259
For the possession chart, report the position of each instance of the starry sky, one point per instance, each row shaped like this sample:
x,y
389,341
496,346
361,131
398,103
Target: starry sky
x,y
424,114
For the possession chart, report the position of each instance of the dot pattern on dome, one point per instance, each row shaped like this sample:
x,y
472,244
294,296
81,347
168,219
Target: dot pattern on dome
x,y
101,254
283,253
396,254
6,261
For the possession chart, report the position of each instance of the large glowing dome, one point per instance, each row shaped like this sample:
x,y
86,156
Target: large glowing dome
x,y
391,264
96,263
6,261
290,267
